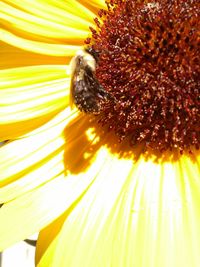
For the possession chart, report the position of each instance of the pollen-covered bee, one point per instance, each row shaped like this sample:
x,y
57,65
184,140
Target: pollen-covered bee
x,y
85,90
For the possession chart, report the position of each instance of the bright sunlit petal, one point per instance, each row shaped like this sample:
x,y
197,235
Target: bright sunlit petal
x,y
37,208
136,219
29,93
27,154
57,9
44,20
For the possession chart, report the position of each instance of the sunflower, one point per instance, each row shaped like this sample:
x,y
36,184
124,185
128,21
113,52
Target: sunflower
x,y
117,187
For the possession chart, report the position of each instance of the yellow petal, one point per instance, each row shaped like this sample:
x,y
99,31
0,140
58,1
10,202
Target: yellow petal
x,y
38,47
55,10
26,156
31,212
37,208
11,57
29,96
58,147
33,27
95,5
140,214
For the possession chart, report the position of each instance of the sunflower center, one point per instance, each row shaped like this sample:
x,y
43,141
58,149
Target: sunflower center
x,y
149,62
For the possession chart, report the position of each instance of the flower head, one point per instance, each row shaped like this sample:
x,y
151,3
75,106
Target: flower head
x,y
149,62
98,201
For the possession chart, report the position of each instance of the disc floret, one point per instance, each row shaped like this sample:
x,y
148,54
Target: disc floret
x,y
149,62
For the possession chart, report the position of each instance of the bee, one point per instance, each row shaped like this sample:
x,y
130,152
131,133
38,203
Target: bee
x,y
86,92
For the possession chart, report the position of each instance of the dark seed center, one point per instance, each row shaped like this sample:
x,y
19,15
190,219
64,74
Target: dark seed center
x,y
149,62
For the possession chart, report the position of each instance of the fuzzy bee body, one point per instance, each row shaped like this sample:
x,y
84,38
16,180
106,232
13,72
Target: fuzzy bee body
x,y
86,92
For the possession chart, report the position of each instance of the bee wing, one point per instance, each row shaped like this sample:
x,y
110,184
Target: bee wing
x,y
71,99
72,69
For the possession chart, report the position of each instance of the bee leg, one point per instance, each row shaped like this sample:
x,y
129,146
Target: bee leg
x,y
102,94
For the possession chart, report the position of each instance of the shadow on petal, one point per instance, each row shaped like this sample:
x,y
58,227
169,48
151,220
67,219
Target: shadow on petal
x,y
85,136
